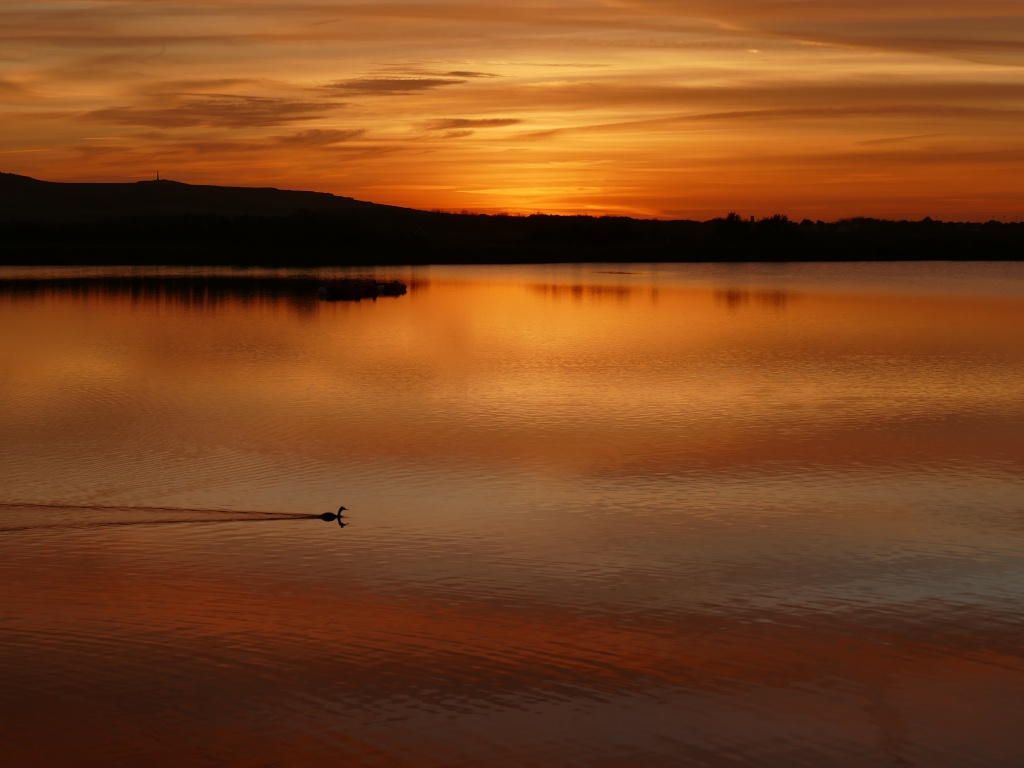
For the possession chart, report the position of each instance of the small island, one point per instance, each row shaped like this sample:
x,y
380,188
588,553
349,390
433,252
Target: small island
x,y
355,289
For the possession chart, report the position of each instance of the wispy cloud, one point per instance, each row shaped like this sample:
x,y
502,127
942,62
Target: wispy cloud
x,y
457,123
227,111
317,137
390,86
8,88
465,73
981,30
899,139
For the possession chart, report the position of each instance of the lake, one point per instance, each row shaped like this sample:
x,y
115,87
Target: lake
x,y
598,515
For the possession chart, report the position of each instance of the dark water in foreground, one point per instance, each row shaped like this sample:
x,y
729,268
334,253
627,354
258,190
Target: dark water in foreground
x,y
600,516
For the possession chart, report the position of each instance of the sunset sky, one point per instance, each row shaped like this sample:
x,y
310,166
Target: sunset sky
x,y
656,108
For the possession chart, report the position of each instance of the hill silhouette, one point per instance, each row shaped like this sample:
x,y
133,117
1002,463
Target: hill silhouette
x,y
25,198
168,222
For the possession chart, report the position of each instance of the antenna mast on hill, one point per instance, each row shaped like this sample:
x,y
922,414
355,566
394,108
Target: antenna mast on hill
x,y
158,175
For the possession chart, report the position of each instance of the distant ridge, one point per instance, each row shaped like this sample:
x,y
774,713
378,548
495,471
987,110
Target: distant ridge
x,y
23,198
167,222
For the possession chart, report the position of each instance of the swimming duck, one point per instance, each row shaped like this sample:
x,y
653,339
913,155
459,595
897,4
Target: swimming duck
x,y
328,516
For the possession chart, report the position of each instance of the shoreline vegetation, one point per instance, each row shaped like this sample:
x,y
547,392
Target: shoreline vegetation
x,y
302,292
170,223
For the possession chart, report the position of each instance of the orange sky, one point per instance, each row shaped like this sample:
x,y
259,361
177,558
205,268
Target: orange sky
x,y
665,108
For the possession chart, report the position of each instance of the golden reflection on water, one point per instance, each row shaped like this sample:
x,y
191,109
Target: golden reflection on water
x,y
597,518
566,377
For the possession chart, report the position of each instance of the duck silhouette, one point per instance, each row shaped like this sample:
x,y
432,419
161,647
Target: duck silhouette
x,y
329,516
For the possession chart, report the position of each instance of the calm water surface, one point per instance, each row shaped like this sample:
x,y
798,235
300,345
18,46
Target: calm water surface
x,y
599,516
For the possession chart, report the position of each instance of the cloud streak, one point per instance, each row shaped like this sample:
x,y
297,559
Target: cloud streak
x,y
461,123
317,137
227,111
391,86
